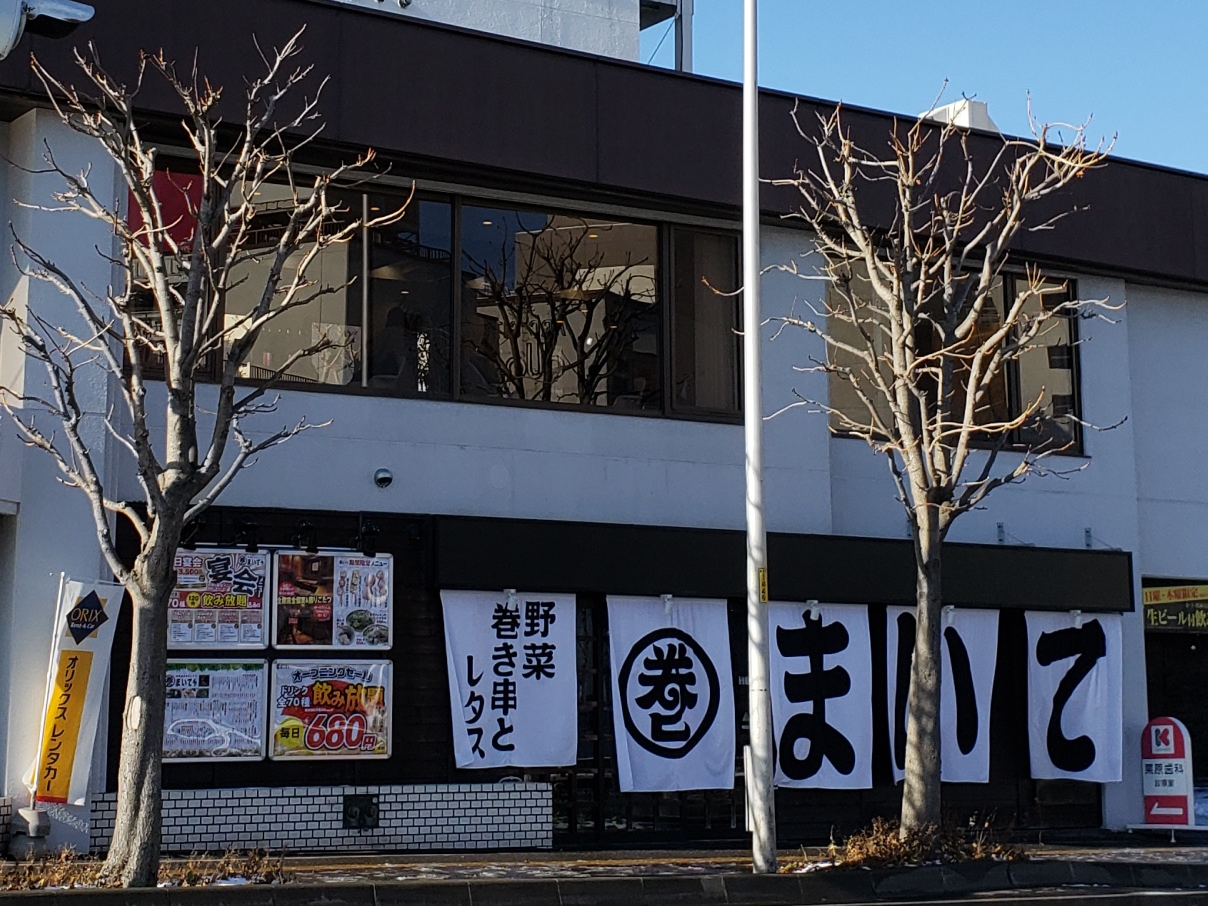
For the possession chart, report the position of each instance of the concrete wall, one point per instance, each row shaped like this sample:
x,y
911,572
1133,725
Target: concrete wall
x,y
1169,332
54,529
605,27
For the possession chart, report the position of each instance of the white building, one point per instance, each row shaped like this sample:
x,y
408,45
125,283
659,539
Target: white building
x,y
632,484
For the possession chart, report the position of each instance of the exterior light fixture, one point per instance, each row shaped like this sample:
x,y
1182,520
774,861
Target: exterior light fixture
x,y
49,18
247,535
304,538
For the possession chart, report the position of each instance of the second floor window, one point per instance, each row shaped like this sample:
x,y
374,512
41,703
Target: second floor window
x,y
465,300
1044,374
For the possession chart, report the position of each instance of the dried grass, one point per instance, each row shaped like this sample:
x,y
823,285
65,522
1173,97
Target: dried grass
x,y
67,869
883,846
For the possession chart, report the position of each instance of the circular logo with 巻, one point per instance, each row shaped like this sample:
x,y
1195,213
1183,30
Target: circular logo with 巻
x,y
669,692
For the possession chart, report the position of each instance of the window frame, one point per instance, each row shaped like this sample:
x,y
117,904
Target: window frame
x,y
458,196
1012,378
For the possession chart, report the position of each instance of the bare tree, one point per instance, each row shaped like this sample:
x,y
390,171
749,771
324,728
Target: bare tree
x,y
920,339
558,314
169,317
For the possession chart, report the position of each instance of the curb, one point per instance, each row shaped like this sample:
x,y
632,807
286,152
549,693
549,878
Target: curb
x,y
925,882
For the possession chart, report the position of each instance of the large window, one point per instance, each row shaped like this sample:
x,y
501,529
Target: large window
x,y
1044,374
460,299
559,308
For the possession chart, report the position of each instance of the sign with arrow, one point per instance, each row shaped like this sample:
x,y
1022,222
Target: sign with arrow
x,y
1166,773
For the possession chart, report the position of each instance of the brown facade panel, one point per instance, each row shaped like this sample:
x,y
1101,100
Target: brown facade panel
x,y
484,110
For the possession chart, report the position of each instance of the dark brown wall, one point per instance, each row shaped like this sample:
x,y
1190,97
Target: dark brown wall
x,y
445,102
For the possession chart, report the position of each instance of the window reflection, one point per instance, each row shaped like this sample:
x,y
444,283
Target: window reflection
x,y
558,308
706,321
410,285
333,319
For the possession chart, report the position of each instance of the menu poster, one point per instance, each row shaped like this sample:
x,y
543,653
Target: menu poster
x,y
215,710
333,600
325,709
218,601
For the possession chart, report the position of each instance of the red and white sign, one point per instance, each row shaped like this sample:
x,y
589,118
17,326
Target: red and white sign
x,y
1166,773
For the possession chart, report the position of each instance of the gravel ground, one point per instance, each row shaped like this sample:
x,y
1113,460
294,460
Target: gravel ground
x,y
648,864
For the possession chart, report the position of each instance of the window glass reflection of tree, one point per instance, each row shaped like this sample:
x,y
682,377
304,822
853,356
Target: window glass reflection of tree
x,y
559,308
705,365
410,285
334,317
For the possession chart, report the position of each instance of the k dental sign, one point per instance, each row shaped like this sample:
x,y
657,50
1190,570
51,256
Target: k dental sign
x,y
1166,774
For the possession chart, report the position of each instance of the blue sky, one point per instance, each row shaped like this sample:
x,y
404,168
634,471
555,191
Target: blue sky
x,y
1139,68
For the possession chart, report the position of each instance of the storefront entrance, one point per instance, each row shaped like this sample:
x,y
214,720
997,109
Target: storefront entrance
x,y
432,553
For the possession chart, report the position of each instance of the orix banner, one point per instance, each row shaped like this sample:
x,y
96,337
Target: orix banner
x,y
75,686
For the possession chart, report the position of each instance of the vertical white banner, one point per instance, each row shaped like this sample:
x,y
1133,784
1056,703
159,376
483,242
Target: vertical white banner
x,y
821,683
1075,689
79,662
672,693
512,685
969,651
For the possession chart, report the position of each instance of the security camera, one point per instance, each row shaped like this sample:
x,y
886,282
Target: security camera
x,y
382,478
50,18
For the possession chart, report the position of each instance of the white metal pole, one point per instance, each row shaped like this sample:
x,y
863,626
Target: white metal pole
x,y
761,804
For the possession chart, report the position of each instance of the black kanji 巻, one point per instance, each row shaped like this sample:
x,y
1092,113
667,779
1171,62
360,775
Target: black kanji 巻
x,y
676,692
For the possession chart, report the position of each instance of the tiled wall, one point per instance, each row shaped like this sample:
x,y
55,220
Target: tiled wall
x,y
297,819
6,820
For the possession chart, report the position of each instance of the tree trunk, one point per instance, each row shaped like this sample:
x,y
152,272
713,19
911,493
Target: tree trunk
x,y
921,791
133,855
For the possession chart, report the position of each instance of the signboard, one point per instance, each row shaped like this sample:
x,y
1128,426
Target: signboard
x,y
215,710
1075,694
327,709
1176,608
218,601
75,689
333,600
821,685
673,693
1166,776
969,653
512,687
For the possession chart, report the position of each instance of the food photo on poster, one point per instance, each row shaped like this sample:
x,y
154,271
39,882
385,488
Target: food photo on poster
x,y
333,600
328,709
218,600
215,710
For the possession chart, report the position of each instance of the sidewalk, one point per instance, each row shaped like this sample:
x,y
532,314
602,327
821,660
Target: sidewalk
x,y
1070,874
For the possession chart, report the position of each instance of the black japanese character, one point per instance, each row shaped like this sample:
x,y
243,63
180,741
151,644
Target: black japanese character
x,y
538,616
475,703
681,694
476,733
670,680
219,568
1087,643
815,686
506,622
538,660
505,729
967,727
504,657
246,582
503,696
470,677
